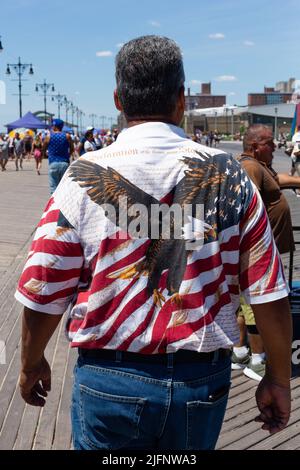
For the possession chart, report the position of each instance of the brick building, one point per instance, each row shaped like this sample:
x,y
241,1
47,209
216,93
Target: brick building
x,y
269,96
204,99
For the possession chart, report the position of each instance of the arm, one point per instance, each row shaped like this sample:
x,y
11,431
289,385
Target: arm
x,y
287,181
264,287
44,299
273,394
45,145
71,145
37,329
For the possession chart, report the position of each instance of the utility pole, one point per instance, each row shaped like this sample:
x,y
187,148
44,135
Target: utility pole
x,y
44,87
19,68
68,106
276,117
102,119
93,117
60,101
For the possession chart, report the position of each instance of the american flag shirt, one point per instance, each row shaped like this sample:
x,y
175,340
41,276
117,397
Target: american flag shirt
x,y
151,294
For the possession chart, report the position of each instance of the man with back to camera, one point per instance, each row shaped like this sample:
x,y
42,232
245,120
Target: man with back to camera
x,y
60,148
151,310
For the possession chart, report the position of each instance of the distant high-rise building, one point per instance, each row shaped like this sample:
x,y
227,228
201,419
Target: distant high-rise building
x,y
286,87
204,99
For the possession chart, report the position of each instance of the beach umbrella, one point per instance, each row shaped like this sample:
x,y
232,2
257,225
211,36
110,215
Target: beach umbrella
x,y
22,131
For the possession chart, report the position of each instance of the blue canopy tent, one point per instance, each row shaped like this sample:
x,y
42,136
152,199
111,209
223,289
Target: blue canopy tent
x,y
28,121
68,129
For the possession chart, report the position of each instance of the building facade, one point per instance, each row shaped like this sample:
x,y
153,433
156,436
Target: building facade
x,y
205,99
269,96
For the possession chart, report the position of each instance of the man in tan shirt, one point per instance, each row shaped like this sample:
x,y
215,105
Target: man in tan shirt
x,y
256,159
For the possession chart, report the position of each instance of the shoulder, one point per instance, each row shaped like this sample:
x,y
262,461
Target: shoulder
x,y
251,165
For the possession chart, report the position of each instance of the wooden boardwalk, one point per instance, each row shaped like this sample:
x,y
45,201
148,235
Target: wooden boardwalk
x,y
24,427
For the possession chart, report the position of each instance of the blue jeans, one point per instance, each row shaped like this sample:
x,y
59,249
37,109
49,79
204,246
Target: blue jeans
x,y
56,172
137,406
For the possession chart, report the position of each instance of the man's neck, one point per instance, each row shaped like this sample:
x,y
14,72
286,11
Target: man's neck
x,y
144,120
248,153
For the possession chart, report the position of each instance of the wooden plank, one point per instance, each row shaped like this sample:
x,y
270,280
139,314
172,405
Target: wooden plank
x,y
63,431
14,410
31,415
8,388
287,433
46,428
244,387
291,444
242,424
11,344
242,407
238,380
251,436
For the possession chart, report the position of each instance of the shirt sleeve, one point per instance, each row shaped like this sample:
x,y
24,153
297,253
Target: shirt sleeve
x,y
262,278
54,265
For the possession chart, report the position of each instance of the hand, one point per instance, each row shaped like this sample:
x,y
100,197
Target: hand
x,y
35,383
274,404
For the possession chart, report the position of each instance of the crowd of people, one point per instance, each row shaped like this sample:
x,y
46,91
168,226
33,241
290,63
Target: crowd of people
x,y
20,147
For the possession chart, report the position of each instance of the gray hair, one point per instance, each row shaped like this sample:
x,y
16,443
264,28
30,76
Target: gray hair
x,y
149,76
253,135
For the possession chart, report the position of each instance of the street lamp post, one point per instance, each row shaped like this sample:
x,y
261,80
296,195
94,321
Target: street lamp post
x,y
60,101
102,119
93,117
68,106
73,109
216,114
81,116
275,130
19,68
232,122
45,87
226,118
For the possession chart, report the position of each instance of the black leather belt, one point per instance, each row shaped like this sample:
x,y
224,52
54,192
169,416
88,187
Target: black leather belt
x,y
181,356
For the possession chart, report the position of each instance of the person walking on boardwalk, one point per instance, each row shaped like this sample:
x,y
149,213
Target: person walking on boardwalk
x,y
60,147
145,243
18,151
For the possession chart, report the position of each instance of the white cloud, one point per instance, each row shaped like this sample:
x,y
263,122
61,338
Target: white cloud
x,y
77,93
120,44
195,82
232,93
217,36
226,78
156,24
104,54
249,43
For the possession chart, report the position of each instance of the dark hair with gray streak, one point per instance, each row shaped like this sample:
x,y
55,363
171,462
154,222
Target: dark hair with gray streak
x,y
149,75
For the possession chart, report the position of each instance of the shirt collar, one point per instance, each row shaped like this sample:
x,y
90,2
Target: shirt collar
x,y
153,130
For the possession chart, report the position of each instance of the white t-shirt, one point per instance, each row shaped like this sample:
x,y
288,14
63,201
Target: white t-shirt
x,y
296,137
152,294
89,146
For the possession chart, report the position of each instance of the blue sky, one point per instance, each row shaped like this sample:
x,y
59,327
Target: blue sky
x,y
239,46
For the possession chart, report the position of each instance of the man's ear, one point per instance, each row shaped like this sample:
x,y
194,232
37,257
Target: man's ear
x,y
182,98
118,104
